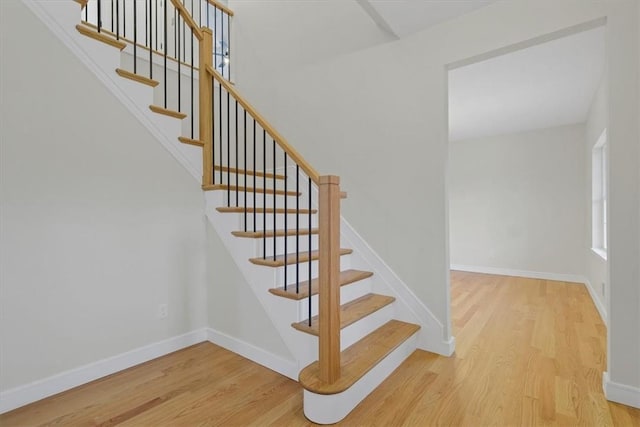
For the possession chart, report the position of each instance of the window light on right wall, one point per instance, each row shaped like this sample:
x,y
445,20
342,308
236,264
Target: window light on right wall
x,y
599,178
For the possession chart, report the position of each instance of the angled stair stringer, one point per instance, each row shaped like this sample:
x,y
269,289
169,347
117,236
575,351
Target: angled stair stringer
x,y
61,17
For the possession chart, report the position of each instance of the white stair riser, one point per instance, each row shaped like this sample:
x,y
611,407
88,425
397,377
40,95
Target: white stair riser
x,y
230,178
303,244
358,330
267,218
347,293
260,200
331,408
303,271
352,333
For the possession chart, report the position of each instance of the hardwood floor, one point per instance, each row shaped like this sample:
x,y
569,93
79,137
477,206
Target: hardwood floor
x,y
528,352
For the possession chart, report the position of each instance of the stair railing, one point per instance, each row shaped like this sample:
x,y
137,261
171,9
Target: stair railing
x,y
243,154
237,129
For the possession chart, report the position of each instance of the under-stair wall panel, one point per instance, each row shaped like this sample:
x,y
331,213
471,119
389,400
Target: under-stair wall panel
x,y
100,224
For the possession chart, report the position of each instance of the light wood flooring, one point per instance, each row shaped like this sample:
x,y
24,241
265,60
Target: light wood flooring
x,y
528,352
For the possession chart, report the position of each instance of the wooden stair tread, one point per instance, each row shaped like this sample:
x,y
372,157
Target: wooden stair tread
x,y
346,277
360,358
350,312
241,209
167,112
191,141
136,77
241,188
278,233
279,261
86,31
248,172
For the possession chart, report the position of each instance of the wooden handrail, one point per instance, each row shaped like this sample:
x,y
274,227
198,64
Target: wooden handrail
x,y
188,18
277,137
220,6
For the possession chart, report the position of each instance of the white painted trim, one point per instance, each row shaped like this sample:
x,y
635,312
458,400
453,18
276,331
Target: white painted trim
x,y
600,252
597,302
288,368
110,80
561,277
620,393
28,393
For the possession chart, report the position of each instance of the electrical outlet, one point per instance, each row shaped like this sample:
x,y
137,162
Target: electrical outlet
x,y
163,311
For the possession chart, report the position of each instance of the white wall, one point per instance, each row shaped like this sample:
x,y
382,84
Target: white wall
x,y
99,224
624,194
516,202
378,118
596,266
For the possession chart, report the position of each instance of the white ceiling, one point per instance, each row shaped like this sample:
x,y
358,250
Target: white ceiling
x,y
404,17
547,85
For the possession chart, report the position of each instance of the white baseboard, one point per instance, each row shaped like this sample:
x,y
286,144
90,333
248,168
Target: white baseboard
x,y
37,390
288,368
597,302
520,273
620,393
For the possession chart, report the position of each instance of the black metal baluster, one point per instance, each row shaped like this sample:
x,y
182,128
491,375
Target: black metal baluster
x,y
117,19
206,6
151,41
309,224
228,48
200,13
255,171
146,23
220,123
179,13
86,12
237,171
297,230
192,115
245,169
99,11
124,19
274,202
176,30
112,15
135,38
286,236
264,193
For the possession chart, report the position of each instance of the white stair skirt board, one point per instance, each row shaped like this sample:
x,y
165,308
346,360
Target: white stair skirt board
x,y
37,390
331,408
620,393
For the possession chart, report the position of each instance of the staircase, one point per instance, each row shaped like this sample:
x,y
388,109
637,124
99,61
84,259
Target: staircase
x,y
345,317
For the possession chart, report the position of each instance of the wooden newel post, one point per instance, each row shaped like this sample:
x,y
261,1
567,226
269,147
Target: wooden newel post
x,y
329,278
206,105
